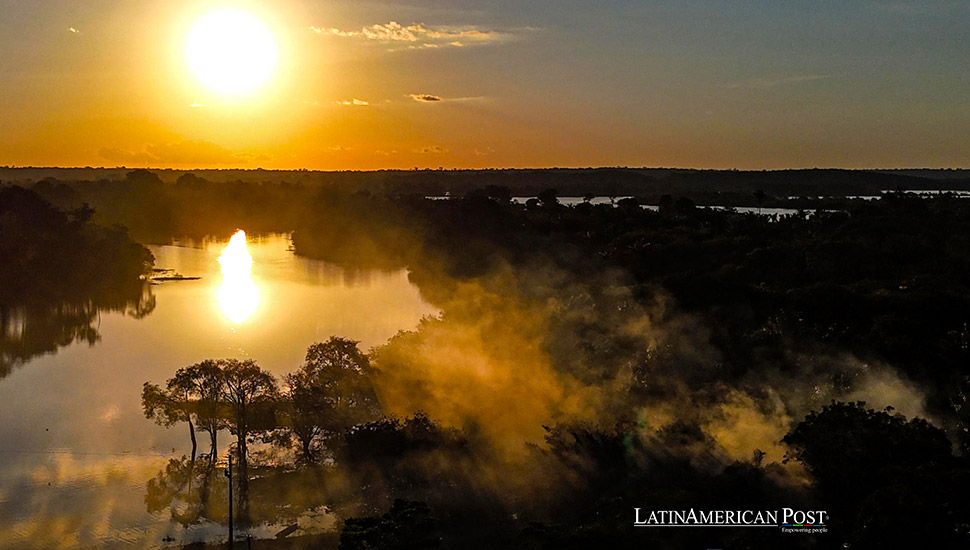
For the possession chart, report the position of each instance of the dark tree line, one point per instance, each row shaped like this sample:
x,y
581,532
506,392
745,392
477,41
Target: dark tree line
x,y
58,270
49,253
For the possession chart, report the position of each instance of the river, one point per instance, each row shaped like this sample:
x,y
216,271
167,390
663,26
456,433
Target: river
x,y
76,451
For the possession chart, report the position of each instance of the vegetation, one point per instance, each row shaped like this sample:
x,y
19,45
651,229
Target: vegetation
x,y
59,270
41,243
730,323
588,359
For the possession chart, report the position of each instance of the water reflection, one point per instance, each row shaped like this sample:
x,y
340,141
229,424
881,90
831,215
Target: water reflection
x,y
190,490
37,327
78,453
238,294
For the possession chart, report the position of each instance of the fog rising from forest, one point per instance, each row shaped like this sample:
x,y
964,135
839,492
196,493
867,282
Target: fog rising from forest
x,y
597,354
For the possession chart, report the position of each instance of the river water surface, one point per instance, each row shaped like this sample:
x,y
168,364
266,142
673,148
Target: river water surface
x,y
76,451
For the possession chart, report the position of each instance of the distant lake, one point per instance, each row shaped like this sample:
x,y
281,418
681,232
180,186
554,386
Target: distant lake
x,y
77,451
573,201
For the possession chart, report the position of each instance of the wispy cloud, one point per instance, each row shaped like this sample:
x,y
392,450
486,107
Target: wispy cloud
x,y
431,98
420,36
431,149
763,83
352,102
426,98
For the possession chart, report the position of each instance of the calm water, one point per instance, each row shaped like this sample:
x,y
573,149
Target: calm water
x,y
76,451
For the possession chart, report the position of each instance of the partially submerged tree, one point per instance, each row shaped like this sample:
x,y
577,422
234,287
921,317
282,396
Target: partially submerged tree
x,y
201,384
167,407
250,393
217,394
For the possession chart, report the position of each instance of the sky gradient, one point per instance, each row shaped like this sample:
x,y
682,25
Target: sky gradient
x,y
463,83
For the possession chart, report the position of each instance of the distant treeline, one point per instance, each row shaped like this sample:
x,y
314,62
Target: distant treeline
x,y
206,200
155,211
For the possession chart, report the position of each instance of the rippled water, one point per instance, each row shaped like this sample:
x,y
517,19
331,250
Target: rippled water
x,y
76,451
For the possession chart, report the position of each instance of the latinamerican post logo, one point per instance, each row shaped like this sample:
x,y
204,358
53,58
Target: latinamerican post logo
x,y
788,520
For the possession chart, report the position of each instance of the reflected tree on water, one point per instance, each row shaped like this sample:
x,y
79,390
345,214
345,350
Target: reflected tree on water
x,y
29,329
190,491
58,271
216,394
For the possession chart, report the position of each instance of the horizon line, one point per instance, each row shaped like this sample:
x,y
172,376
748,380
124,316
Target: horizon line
x,y
487,169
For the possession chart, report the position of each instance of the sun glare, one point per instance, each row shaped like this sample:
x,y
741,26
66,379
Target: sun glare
x,y
232,52
238,295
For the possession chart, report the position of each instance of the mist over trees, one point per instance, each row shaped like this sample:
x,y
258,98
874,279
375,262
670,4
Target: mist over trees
x,y
685,344
587,360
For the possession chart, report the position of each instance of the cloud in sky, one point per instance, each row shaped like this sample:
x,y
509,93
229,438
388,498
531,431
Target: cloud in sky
x,y
763,83
426,98
419,36
432,149
431,98
352,102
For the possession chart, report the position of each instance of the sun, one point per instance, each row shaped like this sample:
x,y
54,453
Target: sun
x,y
231,52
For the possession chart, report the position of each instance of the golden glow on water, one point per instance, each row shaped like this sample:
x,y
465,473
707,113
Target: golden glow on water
x,y
238,294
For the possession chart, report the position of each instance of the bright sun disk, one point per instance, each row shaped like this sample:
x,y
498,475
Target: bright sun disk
x,y
231,51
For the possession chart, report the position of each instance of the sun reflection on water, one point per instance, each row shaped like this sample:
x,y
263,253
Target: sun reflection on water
x,y
238,294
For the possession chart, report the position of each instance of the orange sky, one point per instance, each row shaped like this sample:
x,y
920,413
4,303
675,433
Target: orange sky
x,y
465,83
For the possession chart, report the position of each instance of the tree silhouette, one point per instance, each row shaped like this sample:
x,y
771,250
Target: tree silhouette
x,y
167,407
874,470
250,394
201,385
760,195
548,197
408,525
329,393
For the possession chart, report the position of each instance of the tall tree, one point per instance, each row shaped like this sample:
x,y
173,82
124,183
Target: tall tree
x,y
874,470
202,385
250,394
